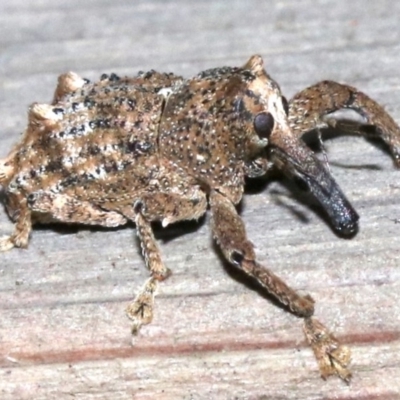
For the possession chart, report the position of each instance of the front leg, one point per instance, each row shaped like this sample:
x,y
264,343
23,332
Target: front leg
x,y
229,231
313,108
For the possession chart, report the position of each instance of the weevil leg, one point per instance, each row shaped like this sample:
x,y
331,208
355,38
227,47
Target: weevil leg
x,y
332,357
229,232
168,208
49,207
140,311
314,108
21,214
64,208
7,168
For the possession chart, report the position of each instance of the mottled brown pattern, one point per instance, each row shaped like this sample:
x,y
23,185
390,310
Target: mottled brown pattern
x,y
158,147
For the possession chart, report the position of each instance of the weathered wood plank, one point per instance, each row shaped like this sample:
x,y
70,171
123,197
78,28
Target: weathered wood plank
x,y
62,325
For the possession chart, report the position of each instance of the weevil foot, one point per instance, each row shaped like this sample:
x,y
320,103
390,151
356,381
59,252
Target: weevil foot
x,y
6,243
333,358
140,311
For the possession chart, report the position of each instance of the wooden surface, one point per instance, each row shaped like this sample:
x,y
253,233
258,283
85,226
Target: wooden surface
x,y
63,331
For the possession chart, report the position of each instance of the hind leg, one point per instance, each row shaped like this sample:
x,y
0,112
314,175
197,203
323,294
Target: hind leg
x,y
315,107
6,168
51,207
21,214
64,208
16,207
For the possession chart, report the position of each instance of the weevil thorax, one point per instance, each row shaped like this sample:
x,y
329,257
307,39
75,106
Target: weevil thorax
x,y
217,125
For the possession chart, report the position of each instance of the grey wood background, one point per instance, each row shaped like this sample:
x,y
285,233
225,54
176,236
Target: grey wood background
x,y
63,331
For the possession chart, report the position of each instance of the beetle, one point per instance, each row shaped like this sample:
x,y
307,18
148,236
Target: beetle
x,y
158,147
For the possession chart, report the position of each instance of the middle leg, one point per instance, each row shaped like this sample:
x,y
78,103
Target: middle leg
x,y
168,208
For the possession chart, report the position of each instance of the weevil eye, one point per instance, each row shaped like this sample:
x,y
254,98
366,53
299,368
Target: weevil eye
x,y
263,124
285,105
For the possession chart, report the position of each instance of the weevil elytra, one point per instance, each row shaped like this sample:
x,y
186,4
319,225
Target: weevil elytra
x,y
158,147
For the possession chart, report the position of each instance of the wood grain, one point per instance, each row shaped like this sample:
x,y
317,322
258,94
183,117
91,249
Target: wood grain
x,y
215,335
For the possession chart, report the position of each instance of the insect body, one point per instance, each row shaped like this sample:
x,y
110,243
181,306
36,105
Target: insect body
x,y
158,147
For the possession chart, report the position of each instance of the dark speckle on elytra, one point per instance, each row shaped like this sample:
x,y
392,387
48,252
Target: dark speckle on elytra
x,y
132,104
138,147
58,110
93,150
114,77
149,74
89,103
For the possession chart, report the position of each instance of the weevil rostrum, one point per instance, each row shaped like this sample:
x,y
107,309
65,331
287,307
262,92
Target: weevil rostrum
x,y
158,147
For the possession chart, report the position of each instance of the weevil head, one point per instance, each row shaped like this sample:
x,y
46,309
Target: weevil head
x,y
273,140
262,113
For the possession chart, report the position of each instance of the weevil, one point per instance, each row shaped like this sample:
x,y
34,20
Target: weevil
x,y
158,147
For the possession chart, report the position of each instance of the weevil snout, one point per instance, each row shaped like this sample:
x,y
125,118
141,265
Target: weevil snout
x,y
311,175
342,214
